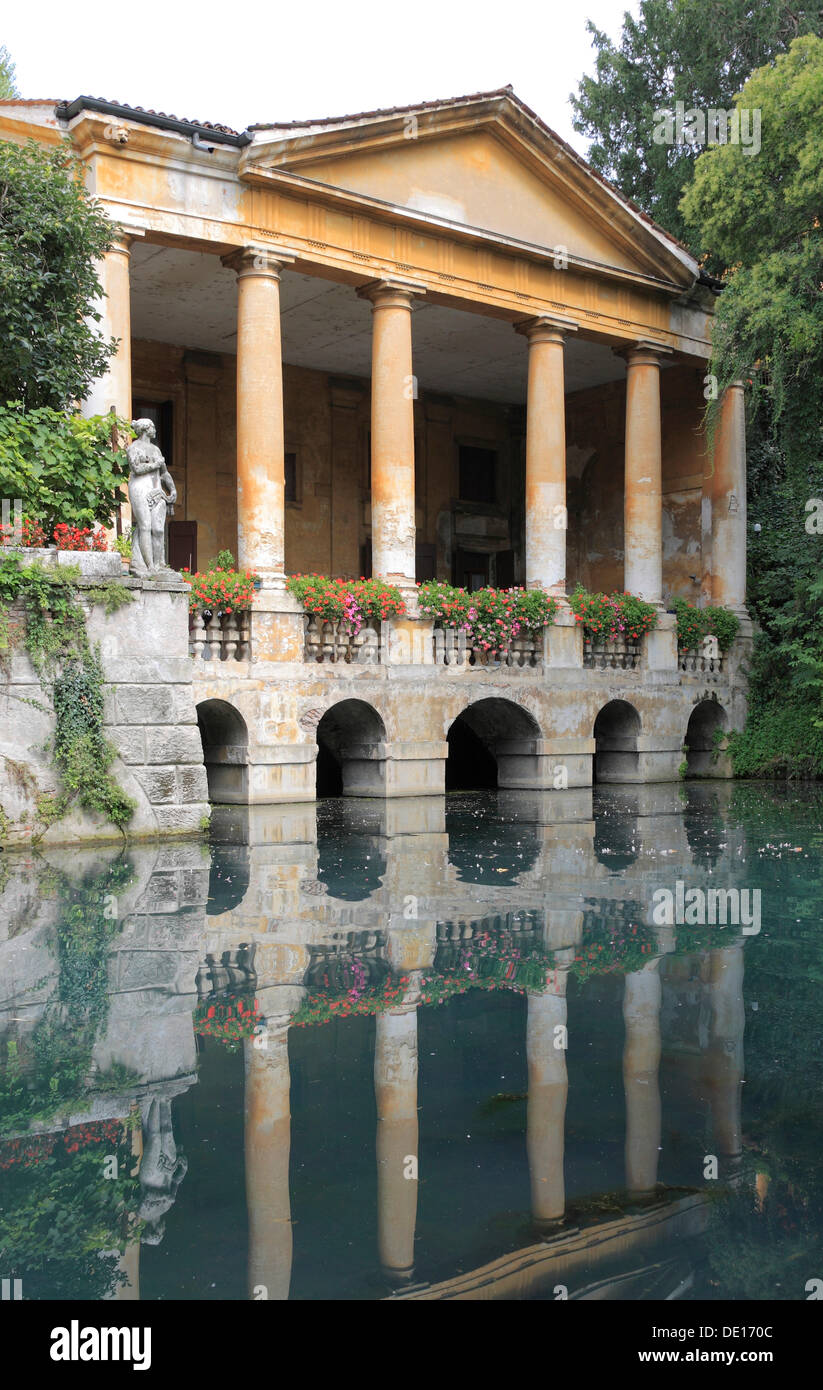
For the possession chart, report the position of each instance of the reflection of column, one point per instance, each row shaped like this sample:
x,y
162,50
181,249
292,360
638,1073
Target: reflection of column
x,y
548,1088
268,1144
724,1055
260,430
641,1059
546,458
395,1084
643,515
392,432
729,503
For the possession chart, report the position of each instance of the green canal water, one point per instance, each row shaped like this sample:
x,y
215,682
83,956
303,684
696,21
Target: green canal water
x,y
475,1057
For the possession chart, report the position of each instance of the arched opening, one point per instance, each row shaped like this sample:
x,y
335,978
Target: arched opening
x,y
616,730
707,720
493,743
225,740
351,753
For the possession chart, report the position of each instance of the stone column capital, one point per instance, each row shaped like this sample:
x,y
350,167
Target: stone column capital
x,y
124,234
391,293
644,353
266,261
545,328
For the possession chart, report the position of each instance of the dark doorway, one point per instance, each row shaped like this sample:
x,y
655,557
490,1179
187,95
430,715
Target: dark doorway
x,y
470,765
471,570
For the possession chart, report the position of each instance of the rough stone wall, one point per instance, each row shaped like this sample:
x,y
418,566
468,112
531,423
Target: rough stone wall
x,y
149,716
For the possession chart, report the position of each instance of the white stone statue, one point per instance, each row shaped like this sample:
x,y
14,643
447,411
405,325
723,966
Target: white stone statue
x,y
152,494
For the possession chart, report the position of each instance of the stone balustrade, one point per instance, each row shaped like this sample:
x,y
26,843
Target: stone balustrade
x,y
220,636
601,654
696,662
452,649
333,641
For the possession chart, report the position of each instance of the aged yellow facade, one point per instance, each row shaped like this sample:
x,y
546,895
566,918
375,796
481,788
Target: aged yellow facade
x,y
422,342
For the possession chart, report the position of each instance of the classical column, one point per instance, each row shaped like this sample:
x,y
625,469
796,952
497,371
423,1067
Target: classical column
x,y
392,431
641,1059
546,517
268,1144
546,1113
260,430
113,388
395,1085
642,510
728,497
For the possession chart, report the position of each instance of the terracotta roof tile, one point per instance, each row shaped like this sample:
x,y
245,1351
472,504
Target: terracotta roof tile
x,y
169,116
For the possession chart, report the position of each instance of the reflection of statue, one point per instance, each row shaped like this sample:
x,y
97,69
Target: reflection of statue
x,y
152,494
162,1170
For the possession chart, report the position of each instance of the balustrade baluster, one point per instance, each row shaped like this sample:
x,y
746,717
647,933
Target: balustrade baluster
x,y
313,639
199,635
213,639
230,639
327,641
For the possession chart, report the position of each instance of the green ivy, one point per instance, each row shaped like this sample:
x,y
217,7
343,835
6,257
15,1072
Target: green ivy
x,y
57,642
55,1072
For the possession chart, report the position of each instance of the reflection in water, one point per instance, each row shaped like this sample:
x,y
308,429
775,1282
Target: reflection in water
x,y
374,1048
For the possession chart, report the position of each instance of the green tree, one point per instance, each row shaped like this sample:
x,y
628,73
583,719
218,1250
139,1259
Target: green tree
x,y
676,50
52,233
761,218
8,84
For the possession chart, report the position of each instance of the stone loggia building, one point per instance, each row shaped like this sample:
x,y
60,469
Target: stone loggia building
x,y
419,342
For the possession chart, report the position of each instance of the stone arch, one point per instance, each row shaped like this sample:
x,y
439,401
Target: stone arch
x,y
493,743
351,751
225,740
706,719
616,731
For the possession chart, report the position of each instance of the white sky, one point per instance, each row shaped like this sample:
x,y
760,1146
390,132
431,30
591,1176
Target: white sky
x,y
240,63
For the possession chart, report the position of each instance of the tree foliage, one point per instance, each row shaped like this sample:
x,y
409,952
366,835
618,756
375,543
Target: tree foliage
x,y
8,83
52,233
761,218
675,50
61,467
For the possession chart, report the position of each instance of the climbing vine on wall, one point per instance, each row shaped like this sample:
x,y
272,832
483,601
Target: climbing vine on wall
x,y
70,671
52,1074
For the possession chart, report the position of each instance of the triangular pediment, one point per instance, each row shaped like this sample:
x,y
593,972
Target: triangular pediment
x,y
486,164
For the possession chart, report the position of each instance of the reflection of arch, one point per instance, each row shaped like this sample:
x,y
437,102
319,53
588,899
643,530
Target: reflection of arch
x,y
351,751
705,720
616,832
228,878
704,825
351,850
616,730
225,742
493,743
480,853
